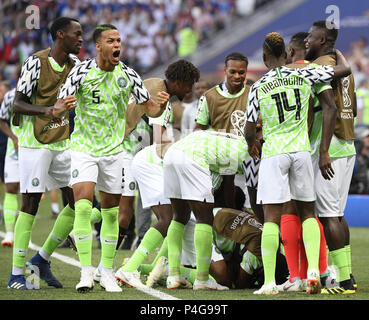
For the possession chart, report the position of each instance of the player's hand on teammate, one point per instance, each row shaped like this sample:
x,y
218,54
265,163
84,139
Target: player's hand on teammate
x,y
162,98
63,105
254,152
325,165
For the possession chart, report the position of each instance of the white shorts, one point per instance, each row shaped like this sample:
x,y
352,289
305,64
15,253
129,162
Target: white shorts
x,y
11,170
129,182
106,171
186,179
285,177
331,195
42,169
150,179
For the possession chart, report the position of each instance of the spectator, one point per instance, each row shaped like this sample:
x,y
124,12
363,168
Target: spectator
x,y
362,95
187,40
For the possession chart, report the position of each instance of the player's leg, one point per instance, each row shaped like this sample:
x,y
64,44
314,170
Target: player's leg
x,y
33,173
273,192
10,205
10,209
302,191
109,184
58,178
153,237
329,204
181,215
290,234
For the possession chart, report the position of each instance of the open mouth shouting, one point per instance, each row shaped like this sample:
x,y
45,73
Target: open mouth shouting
x,y
116,56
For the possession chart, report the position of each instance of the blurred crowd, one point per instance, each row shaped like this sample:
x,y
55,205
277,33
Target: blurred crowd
x,y
152,31
358,57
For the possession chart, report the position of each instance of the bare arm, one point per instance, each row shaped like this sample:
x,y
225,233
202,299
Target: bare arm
x,y
250,135
342,68
329,110
4,127
155,109
23,105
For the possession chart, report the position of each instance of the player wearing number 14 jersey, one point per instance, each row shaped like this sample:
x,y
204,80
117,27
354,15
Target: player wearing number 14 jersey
x,y
281,99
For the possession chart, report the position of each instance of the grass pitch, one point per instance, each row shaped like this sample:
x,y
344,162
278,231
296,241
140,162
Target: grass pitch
x,y
69,275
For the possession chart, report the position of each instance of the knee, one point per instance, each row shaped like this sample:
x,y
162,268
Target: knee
x,y
30,203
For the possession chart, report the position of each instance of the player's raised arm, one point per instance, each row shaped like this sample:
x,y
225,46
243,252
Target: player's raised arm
x,y
342,69
155,109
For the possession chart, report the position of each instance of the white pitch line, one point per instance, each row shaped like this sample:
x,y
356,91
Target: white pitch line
x,y
76,263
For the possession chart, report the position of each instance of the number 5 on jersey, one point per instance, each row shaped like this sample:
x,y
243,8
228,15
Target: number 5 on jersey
x,y
95,96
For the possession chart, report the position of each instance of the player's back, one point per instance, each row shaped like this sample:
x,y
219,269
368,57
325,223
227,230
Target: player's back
x,y
219,151
283,96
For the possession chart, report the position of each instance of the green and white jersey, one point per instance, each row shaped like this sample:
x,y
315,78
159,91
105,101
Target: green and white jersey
x,y
281,98
250,263
222,244
102,99
203,114
5,114
27,84
338,147
139,138
219,152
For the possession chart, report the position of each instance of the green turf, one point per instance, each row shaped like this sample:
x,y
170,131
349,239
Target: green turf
x,y
69,275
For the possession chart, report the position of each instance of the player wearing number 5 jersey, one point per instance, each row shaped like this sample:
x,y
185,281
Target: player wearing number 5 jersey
x,y
281,99
102,87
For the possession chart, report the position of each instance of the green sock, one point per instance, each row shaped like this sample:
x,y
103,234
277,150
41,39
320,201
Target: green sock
x,y
83,231
311,238
348,254
163,251
22,235
149,243
174,238
188,273
109,236
62,227
95,216
269,247
10,211
203,239
339,259
146,268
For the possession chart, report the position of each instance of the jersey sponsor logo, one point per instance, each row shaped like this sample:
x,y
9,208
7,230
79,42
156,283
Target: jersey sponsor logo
x,y
54,125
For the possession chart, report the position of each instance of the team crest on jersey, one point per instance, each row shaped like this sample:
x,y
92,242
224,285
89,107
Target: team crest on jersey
x,y
75,173
132,186
35,182
122,82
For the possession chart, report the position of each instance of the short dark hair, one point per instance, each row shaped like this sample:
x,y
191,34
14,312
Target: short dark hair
x,y
236,56
182,70
99,29
297,40
274,44
60,24
331,33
